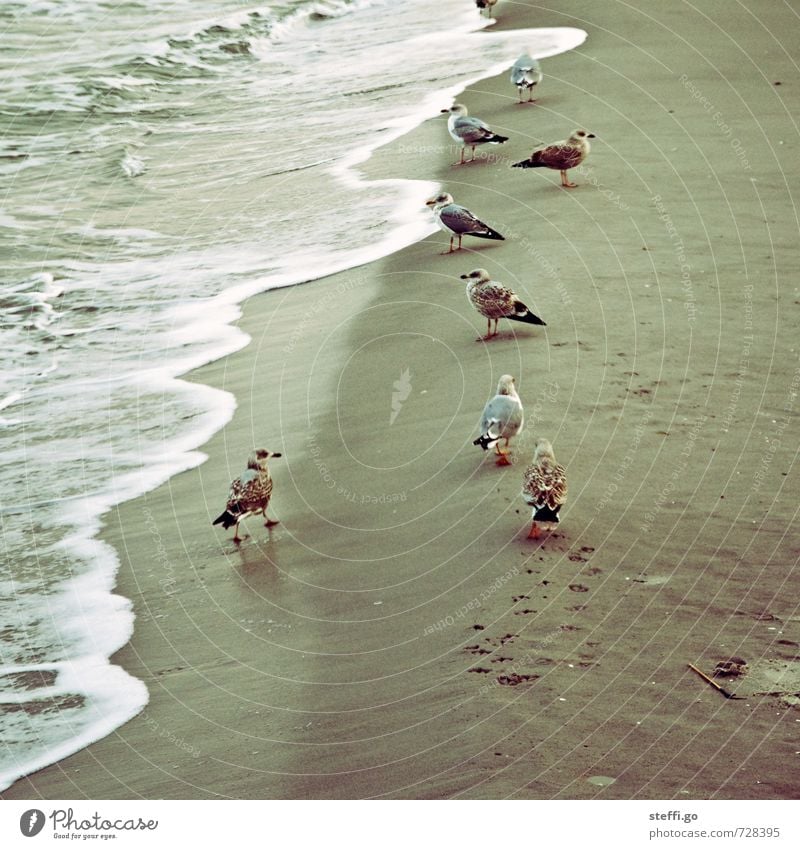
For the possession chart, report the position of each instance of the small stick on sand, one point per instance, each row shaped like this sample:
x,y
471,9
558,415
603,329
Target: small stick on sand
x,y
713,683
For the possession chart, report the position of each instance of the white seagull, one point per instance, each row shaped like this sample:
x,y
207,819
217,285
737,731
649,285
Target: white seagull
x,y
458,221
526,73
465,131
502,419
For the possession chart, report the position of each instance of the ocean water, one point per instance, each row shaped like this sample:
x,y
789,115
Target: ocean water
x,y
159,163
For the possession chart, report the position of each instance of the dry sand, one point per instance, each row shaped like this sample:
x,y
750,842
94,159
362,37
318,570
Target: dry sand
x,y
397,635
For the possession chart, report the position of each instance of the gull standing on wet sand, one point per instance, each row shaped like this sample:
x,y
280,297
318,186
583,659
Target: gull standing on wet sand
x,y
526,73
503,418
560,156
469,131
544,487
459,221
485,4
249,494
495,301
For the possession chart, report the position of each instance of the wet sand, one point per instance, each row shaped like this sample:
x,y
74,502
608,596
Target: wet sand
x,y
397,635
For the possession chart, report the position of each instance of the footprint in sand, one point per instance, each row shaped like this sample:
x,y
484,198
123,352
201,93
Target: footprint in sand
x,y
578,588
514,678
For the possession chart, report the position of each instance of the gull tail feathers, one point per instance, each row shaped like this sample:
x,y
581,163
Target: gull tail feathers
x,y
488,233
528,317
528,163
226,519
546,514
487,440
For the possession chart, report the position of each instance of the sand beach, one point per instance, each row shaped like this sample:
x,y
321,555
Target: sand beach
x,y
397,635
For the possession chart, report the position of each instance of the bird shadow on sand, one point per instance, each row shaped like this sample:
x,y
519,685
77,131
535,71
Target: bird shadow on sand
x,y
462,253
489,467
478,160
555,541
249,545
506,336
256,560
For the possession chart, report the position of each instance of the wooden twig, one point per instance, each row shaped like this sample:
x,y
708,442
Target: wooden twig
x,y
717,687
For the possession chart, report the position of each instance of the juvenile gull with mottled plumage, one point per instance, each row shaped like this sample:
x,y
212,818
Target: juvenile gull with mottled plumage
x,y
249,494
560,156
544,487
495,301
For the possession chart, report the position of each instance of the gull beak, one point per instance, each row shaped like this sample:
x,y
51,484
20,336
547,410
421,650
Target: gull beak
x,y
445,110
465,276
591,136
430,202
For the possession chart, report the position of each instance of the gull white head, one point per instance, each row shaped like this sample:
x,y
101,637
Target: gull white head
x,y
457,109
507,385
544,451
439,200
479,275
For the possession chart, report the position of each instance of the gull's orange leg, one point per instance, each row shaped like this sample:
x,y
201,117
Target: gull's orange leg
x,y
502,456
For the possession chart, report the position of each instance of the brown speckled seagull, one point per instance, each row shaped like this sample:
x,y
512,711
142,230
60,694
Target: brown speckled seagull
x,y
249,494
560,156
544,487
495,301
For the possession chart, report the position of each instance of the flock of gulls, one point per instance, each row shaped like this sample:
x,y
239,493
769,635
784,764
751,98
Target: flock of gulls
x,y
544,484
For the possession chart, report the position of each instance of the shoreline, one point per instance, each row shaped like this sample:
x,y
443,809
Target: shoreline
x,y
304,665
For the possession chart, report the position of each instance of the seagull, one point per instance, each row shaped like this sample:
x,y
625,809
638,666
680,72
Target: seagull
x,y
502,418
485,4
561,156
495,301
544,487
469,131
526,73
250,493
459,221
